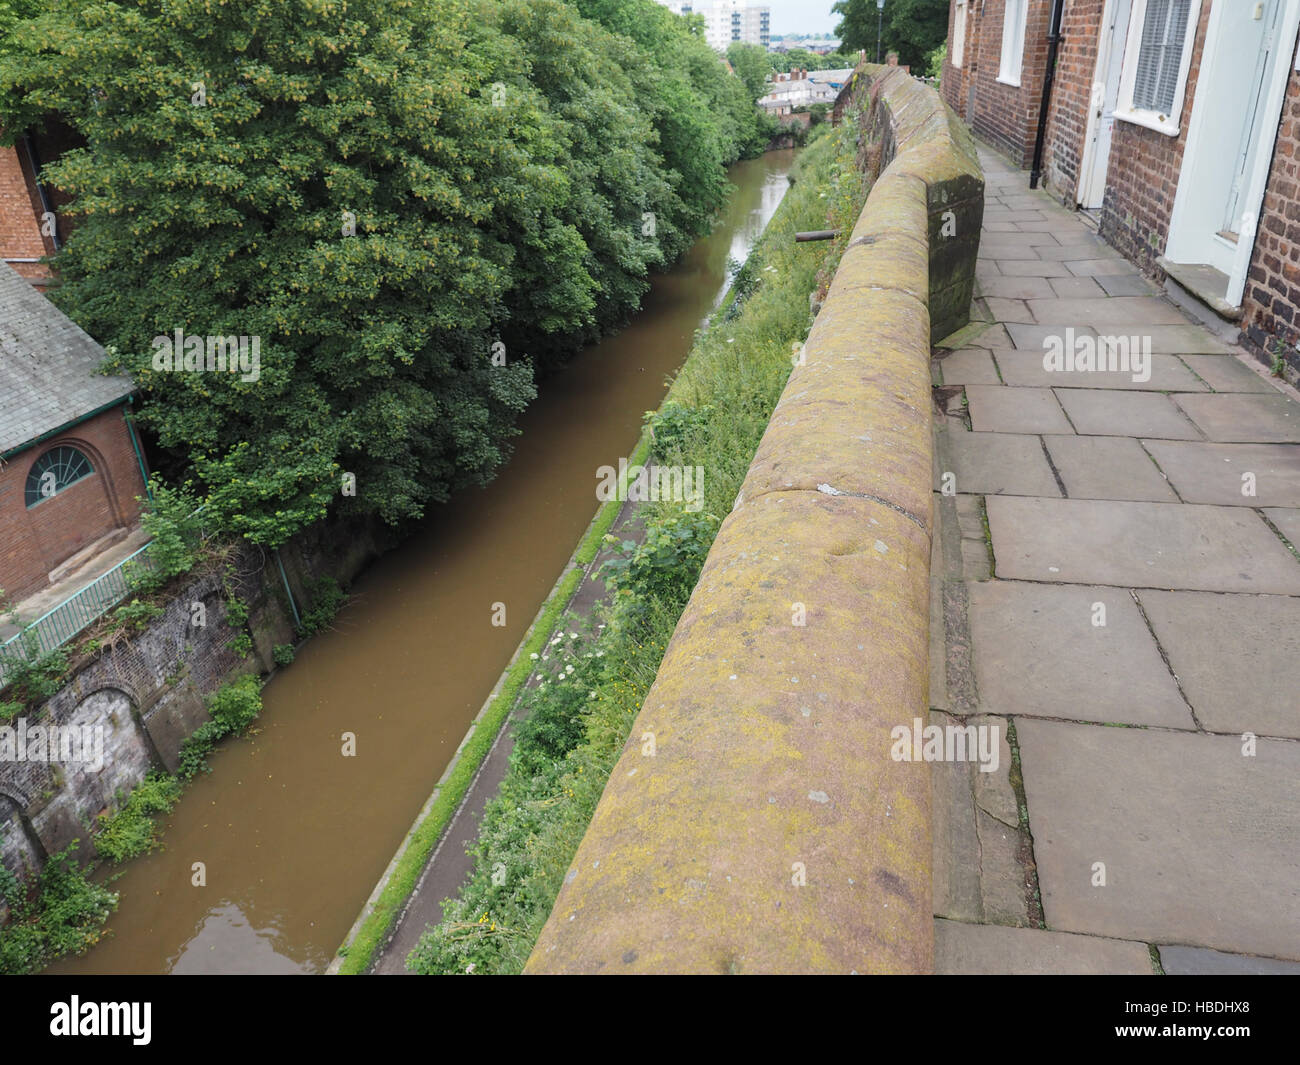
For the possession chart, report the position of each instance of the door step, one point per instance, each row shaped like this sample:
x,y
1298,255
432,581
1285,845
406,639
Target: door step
x,y
1200,290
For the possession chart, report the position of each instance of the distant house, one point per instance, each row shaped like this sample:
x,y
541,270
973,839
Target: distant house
x,y
836,79
70,465
1172,123
799,88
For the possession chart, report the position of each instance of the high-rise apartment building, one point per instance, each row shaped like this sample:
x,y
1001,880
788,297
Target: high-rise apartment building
x,y
727,21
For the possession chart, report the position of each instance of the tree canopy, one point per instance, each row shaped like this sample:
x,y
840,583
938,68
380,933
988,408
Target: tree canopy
x,y
912,28
416,206
799,59
752,65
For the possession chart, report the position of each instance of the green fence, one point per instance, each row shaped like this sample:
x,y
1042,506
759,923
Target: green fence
x,y
56,627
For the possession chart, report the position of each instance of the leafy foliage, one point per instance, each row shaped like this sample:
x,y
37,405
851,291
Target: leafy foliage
x,y
136,614
327,599
801,59
235,705
233,708
935,59
665,564
32,679
752,65
62,913
174,530
130,831
497,163
912,28
674,424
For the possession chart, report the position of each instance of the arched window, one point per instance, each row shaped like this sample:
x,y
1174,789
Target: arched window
x,y
54,471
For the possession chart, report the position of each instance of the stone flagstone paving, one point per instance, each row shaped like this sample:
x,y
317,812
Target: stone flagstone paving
x,y
1115,587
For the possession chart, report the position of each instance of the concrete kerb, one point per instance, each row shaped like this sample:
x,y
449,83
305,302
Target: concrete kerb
x,y
771,832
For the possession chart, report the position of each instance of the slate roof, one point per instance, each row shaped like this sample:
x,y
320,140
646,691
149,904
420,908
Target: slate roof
x,y
47,366
834,78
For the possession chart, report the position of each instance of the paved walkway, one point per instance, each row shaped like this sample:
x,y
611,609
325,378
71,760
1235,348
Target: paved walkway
x,y
1113,587
102,558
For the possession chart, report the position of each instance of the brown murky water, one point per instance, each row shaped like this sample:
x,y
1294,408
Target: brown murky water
x,y
293,835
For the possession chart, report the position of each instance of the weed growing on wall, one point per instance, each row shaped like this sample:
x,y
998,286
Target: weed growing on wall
x,y
327,599
61,913
130,831
232,708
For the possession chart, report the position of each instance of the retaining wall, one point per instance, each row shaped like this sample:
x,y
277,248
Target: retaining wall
x,y
145,695
755,821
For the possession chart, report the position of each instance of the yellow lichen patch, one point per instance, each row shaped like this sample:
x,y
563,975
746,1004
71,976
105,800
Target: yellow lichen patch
x,y
856,415
771,829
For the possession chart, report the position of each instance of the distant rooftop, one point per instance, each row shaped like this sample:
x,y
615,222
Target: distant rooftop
x,y
47,366
831,77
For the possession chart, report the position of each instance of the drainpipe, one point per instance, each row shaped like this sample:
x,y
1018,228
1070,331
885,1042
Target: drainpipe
x,y
130,428
1053,42
297,621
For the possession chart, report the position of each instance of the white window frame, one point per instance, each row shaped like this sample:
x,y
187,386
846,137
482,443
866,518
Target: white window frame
x,y
959,34
1169,124
1013,41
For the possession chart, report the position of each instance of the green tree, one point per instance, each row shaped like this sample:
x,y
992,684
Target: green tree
x,y
389,195
229,147
752,65
798,59
703,116
935,60
13,12
912,28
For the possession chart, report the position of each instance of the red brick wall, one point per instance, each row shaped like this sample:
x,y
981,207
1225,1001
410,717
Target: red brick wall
x,y
1006,116
1067,117
20,227
33,541
1271,301
1143,176
955,82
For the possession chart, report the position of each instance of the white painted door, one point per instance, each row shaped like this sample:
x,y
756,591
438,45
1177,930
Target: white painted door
x,y
1105,93
1233,99
1253,135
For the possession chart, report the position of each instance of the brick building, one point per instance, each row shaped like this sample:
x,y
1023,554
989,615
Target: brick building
x,y
28,222
70,465
994,79
1175,124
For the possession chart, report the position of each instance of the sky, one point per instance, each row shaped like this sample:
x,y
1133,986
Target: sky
x,y
801,16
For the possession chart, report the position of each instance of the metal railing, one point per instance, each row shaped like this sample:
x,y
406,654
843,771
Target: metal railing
x,y
56,627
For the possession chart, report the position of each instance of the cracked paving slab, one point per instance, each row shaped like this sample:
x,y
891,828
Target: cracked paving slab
x,y
1038,651
1197,838
1139,545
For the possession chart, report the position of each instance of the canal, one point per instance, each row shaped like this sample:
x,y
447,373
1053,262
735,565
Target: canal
x,y
293,835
